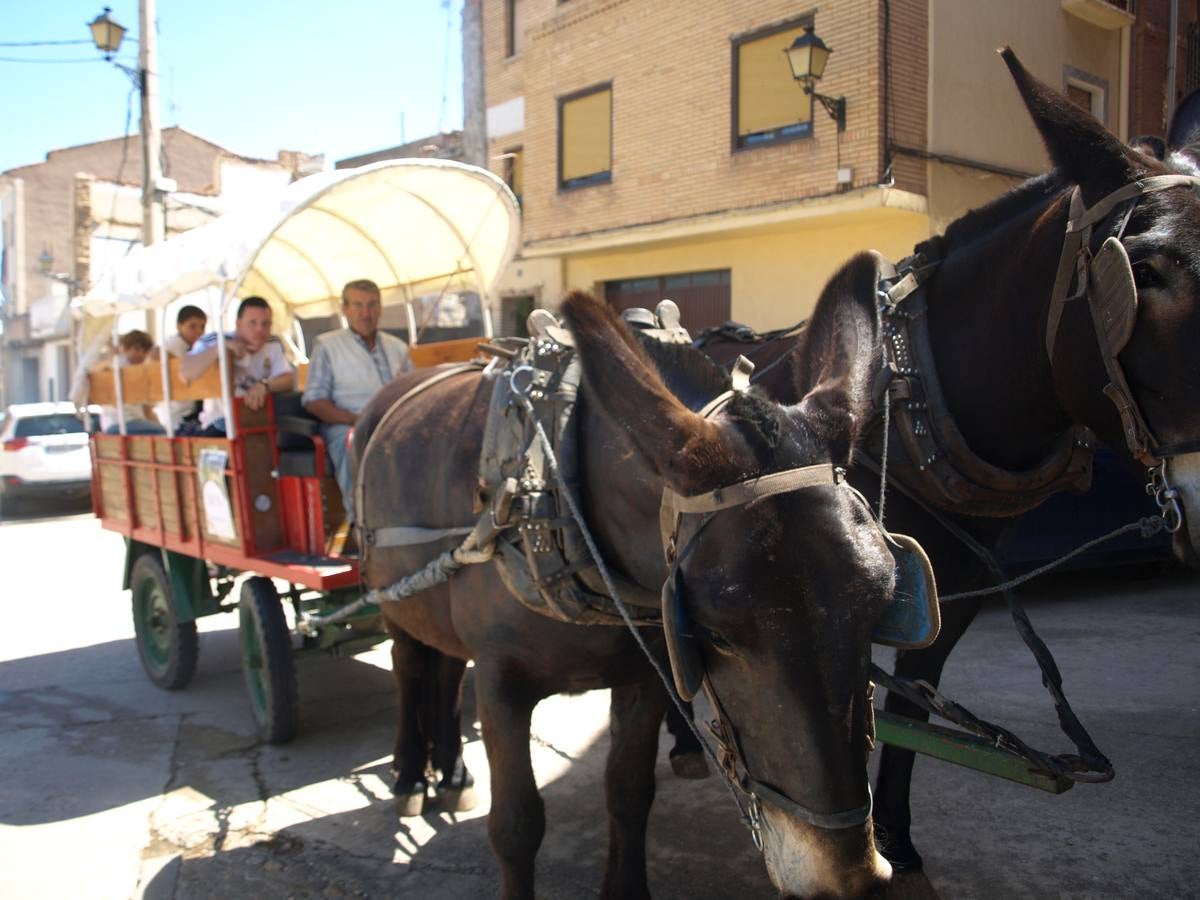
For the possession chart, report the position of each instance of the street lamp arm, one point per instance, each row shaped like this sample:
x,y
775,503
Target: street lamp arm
x,y
835,106
137,76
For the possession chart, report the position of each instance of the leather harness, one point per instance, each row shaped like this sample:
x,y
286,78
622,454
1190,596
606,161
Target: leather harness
x,y
940,465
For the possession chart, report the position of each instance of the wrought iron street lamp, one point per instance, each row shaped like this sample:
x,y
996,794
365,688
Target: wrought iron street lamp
x,y
808,56
107,33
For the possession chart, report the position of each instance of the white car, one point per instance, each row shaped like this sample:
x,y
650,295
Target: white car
x,y
43,453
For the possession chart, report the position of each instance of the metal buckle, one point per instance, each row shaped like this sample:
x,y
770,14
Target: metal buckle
x,y
754,814
1165,496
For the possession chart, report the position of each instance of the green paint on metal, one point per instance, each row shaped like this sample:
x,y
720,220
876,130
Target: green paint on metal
x,y
189,579
153,610
964,749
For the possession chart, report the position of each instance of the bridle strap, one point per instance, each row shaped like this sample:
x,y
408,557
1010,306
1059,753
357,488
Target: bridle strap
x,y
1076,260
752,489
734,768
1079,224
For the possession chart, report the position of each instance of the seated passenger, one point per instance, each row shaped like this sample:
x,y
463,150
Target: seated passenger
x,y
257,366
347,367
189,326
134,349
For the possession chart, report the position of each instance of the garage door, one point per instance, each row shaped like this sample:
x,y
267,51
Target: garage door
x,y
703,297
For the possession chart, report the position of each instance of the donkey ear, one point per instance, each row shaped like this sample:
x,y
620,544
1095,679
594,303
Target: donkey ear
x,y
624,383
1081,148
1185,122
841,356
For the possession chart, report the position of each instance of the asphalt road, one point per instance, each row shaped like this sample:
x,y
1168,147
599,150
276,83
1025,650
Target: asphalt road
x,y
112,788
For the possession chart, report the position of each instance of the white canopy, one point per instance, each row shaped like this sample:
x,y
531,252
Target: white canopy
x,y
413,226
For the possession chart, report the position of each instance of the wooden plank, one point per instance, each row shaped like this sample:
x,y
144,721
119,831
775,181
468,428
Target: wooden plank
x,y
963,749
112,492
143,384
457,350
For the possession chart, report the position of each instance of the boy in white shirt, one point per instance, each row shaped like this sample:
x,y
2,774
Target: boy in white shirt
x,y
257,364
189,327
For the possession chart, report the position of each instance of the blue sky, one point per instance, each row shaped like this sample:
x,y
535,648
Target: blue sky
x,y
339,77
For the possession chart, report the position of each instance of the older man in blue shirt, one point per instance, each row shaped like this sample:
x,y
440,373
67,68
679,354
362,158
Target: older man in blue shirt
x,y
346,368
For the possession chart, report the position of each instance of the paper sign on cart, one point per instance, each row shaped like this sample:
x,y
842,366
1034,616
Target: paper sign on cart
x,y
218,514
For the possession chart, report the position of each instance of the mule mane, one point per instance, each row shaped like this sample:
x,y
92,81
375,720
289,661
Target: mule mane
x,y
982,221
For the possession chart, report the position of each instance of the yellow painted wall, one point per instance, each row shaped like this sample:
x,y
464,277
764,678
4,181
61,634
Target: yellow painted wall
x,y
776,277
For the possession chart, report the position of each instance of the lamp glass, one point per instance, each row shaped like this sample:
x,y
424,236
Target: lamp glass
x,y
107,32
45,261
808,56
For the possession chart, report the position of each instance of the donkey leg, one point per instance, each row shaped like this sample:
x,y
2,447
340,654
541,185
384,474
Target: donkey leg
x,y
516,822
456,787
687,757
637,710
410,755
892,815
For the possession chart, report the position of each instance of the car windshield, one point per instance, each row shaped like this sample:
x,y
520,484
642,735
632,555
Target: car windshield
x,y
57,423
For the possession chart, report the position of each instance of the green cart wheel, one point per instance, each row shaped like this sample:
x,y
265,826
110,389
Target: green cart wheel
x,y
167,647
267,661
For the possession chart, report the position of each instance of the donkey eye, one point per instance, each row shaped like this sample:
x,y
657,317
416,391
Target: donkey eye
x,y
719,643
1146,276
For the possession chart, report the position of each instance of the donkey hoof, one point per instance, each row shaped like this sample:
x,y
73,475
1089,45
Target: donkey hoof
x,y
690,765
457,799
897,848
409,797
456,792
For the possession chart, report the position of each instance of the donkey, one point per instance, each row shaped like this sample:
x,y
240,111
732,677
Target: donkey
x,y
1015,394
772,609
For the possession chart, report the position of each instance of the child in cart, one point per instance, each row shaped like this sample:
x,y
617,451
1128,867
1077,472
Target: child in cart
x,y
258,366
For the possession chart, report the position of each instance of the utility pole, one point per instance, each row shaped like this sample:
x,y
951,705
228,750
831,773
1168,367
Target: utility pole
x,y
474,110
153,227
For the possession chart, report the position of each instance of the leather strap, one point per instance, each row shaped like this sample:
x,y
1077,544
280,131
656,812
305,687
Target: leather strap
x,y
752,489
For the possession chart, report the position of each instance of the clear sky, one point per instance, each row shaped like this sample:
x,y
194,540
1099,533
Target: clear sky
x,y
339,77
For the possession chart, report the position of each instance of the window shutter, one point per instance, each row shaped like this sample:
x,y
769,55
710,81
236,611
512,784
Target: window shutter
x,y
768,96
587,135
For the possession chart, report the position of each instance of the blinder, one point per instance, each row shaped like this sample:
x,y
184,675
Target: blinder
x,y
687,666
913,616
1113,294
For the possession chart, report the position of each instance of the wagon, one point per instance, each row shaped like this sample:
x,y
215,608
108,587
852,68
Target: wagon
x,y
254,521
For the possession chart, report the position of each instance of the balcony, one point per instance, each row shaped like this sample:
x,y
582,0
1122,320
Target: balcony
x,y
1107,14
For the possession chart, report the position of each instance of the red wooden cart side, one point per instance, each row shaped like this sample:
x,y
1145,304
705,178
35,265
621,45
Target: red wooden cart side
x,y
147,488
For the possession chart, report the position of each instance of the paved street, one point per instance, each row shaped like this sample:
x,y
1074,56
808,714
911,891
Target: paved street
x,y
115,789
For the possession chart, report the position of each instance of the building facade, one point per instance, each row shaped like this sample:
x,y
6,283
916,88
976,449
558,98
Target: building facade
x,y
69,218
664,149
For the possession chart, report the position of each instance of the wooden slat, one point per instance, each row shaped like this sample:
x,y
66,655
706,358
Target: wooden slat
x,y
457,350
143,384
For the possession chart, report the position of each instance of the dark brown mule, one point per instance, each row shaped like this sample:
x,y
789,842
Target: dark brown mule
x,y
987,315
780,594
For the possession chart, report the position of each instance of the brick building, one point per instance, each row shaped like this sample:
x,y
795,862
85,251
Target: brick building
x,y
67,219
664,149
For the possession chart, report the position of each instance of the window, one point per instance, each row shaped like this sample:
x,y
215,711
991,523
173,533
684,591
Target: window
x,y
514,171
1087,92
585,138
514,27
768,105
